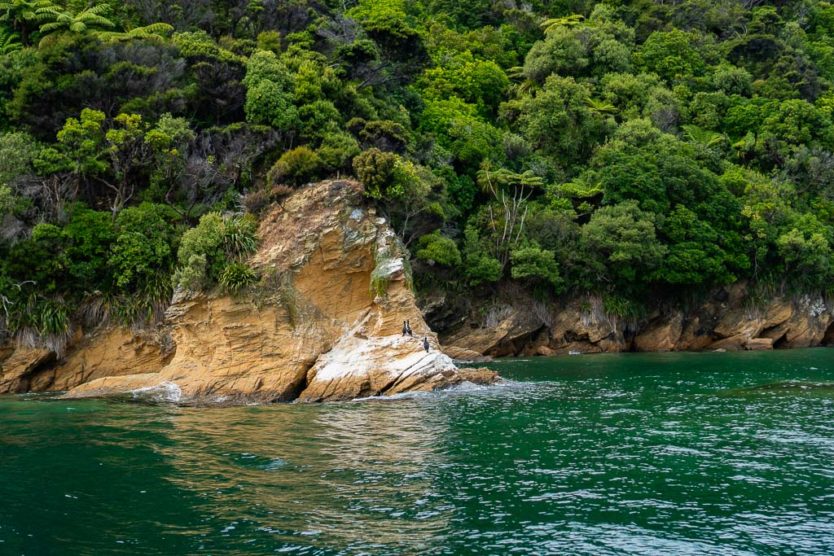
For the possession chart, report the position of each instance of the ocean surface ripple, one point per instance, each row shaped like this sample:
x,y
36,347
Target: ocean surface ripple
x,y
707,454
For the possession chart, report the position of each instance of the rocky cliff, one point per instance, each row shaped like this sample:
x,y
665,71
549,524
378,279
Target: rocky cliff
x,y
729,319
324,324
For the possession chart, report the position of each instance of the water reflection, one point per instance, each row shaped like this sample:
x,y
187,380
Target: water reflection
x,y
610,455
352,474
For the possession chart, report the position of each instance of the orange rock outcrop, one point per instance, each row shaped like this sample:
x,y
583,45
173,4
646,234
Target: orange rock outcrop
x,y
324,324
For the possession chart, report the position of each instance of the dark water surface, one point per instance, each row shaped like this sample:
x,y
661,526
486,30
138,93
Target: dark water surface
x,y
614,454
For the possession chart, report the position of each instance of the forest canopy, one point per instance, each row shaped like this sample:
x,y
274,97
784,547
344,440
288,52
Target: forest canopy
x,y
622,148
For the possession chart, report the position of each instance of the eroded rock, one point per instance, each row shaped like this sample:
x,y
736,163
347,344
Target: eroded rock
x,y
325,324
18,366
727,320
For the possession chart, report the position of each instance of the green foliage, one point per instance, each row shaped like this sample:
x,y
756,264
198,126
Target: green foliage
x,y
7,200
671,55
582,146
18,151
479,82
298,166
623,241
144,248
61,20
479,266
206,250
558,120
86,240
81,143
573,48
433,248
623,307
269,92
533,263
236,277
386,19
375,169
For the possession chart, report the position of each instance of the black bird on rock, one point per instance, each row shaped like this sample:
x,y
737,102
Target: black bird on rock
x,y
426,344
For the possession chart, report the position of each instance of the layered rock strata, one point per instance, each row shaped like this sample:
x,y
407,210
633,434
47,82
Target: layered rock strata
x,y
730,320
324,324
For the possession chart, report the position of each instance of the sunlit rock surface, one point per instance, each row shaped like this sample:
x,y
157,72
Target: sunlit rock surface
x,y
325,324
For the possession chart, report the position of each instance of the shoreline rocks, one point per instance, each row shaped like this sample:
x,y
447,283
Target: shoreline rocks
x,y
727,320
325,323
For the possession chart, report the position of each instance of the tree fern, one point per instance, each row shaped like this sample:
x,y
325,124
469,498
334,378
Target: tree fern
x,y
153,31
601,106
81,22
9,42
705,137
552,24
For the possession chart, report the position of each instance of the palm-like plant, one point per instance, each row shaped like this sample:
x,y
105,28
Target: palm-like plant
x,y
704,137
9,42
152,31
24,15
81,22
568,21
601,107
512,191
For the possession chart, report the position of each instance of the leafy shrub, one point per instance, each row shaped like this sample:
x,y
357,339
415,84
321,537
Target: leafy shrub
x,y
206,250
337,150
479,265
144,248
7,200
482,268
434,248
237,276
296,167
375,169
534,263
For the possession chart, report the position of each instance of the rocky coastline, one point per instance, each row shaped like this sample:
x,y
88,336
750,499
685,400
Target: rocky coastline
x,y
728,319
325,324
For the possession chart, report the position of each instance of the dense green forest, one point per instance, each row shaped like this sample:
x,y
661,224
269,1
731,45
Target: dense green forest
x,y
623,148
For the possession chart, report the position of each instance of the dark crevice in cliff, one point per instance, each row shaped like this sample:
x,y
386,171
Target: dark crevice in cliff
x,y
294,391
779,338
780,341
828,338
522,345
46,365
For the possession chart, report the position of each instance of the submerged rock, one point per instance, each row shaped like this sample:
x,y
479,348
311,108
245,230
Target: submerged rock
x,y
792,387
325,324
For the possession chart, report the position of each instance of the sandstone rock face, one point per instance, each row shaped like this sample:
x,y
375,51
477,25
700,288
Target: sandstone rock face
x,y
109,352
530,328
324,324
661,335
759,344
504,331
728,320
18,365
465,355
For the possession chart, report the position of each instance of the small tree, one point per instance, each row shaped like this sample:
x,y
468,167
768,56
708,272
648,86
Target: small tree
x,y
536,264
512,191
434,248
128,152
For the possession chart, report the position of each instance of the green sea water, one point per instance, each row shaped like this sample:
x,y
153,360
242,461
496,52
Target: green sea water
x,y
614,454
